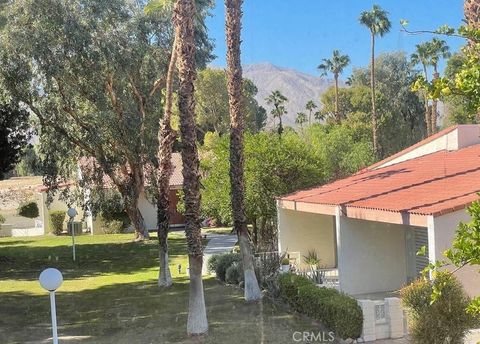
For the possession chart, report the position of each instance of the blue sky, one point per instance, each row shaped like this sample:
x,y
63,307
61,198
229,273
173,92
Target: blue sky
x,y
299,33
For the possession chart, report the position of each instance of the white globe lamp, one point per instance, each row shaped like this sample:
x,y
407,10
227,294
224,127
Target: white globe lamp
x,y
51,279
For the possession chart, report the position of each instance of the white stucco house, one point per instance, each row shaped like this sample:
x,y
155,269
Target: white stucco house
x,y
368,227
94,224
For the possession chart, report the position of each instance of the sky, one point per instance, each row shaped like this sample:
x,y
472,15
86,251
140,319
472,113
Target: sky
x,y
298,34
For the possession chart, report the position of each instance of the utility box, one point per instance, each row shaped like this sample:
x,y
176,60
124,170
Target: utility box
x,y
76,226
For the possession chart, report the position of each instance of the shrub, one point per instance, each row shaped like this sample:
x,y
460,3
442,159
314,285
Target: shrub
x,y
113,226
2,219
57,218
337,311
223,263
442,321
213,263
234,273
29,209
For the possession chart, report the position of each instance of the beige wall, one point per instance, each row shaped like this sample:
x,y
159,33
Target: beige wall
x,y
301,232
371,256
56,204
441,232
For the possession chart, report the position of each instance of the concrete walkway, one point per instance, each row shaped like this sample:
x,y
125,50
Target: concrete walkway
x,y
217,244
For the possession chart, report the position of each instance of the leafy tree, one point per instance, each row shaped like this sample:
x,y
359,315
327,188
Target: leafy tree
x,y
30,164
401,122
233,25
91,73
273,167
184,12
277,99
310,107
335,65
14,136
212,101
378,23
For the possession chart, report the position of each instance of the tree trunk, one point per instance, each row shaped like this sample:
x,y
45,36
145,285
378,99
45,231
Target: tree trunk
x,y
234,74
337,113
135,216
428,120
374,109
184,12
166,137
433,125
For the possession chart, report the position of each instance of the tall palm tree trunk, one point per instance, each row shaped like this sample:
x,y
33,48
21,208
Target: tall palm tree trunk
x,y
428,116
184,12
166,137
433,118
337,113
234,73
374,109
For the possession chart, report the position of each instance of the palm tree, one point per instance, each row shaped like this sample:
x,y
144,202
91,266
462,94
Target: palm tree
x,y
438,50
310,106
233,26
166,137
184,12
319,116
335,65
301,119
422,56
277,99
378,23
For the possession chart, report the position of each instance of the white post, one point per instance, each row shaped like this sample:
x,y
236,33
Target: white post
x,y
73,237
54,317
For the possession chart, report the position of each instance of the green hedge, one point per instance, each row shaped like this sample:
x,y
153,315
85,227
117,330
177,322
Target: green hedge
x,y
338,312
29,210
57,218
443,321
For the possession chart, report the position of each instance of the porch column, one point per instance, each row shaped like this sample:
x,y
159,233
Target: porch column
x,y
341,259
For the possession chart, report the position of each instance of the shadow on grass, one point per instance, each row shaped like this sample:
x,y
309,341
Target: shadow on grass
x,y
25,262
144,313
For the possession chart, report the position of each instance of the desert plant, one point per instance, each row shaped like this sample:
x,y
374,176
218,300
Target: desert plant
x,y
311,258
285,261
443,321
2,219
57,218
337,311
29,209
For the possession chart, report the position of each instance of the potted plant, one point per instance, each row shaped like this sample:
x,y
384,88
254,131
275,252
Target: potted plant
x,y
285,264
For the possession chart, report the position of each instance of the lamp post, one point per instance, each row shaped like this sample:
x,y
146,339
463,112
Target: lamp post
x,y
72,212
50,279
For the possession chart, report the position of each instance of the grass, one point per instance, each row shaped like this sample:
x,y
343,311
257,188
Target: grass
x,y
110,296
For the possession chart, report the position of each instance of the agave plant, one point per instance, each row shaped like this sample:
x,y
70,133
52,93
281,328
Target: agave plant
x,y
311,259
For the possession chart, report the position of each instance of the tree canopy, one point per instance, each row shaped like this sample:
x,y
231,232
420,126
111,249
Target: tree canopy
x,y
15,133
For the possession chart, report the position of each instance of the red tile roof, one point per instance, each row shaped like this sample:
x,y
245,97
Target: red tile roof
x,y
176,180
432,184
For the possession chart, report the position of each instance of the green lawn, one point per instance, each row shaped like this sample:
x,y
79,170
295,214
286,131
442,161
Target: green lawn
x,y
110,296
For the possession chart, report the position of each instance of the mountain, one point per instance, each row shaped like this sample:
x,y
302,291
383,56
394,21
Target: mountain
x,y
298,87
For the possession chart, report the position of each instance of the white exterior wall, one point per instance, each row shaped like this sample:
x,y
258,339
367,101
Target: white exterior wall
x,y
300,232
371,256
441,232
